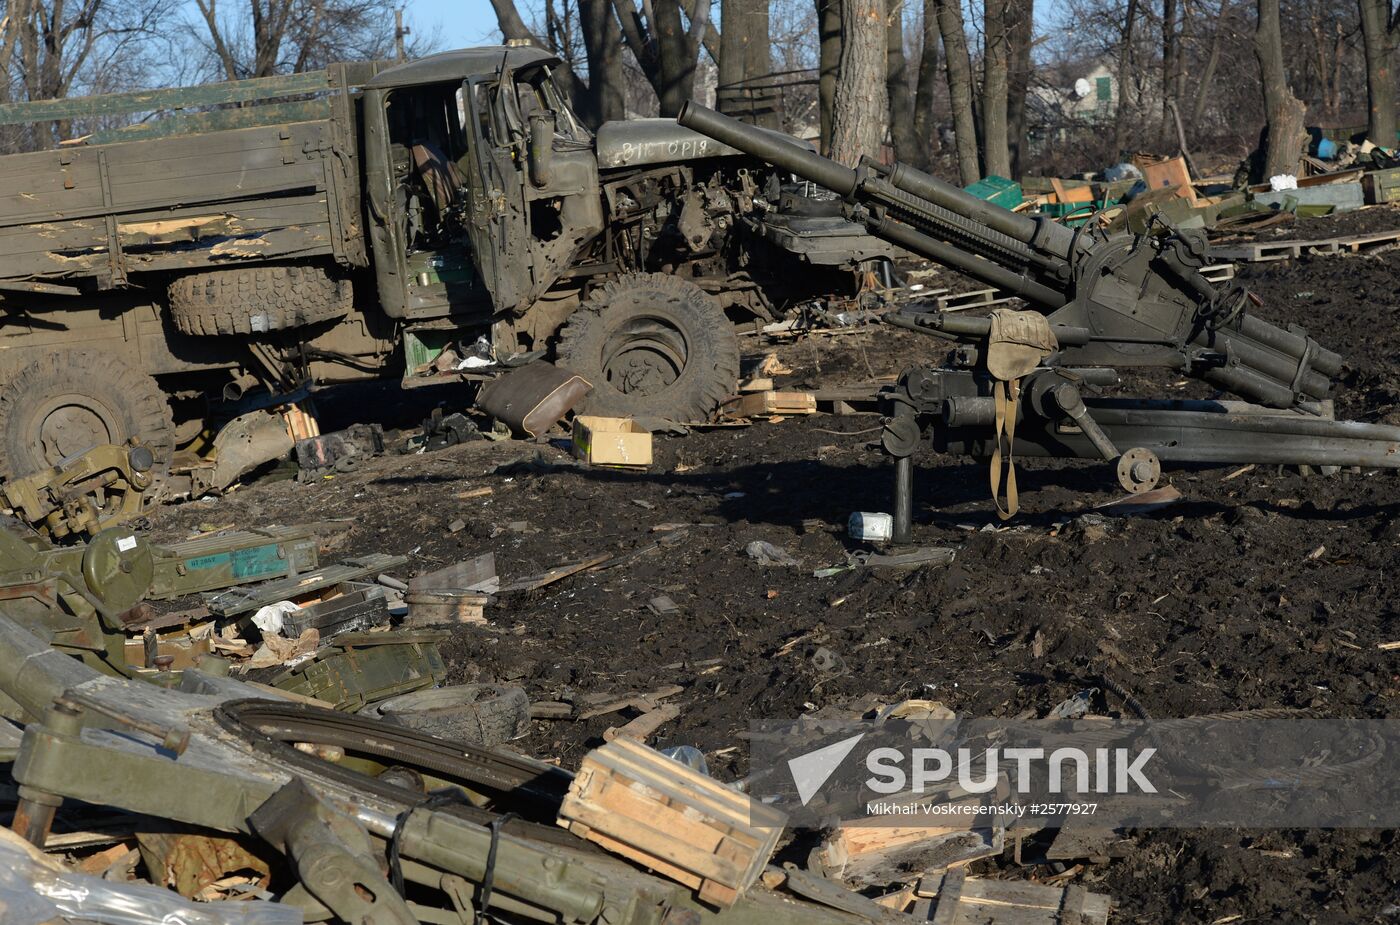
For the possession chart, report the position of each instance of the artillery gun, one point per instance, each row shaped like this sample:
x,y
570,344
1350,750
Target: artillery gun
x,y
1100,301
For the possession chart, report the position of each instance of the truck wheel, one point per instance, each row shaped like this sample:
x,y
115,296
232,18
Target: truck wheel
x,y
255,300
71,401
653,346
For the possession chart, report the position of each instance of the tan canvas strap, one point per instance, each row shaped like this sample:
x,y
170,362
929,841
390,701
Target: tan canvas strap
x,y
1007,396
1016,344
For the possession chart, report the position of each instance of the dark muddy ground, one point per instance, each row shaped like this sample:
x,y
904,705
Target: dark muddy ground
x,y
1266,589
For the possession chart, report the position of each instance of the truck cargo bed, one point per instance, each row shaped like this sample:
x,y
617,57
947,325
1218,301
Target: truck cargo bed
x,y
168,195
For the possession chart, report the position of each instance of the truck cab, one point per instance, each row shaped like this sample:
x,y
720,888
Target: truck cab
x,y
480,183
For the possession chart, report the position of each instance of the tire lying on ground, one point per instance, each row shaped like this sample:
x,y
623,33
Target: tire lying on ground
x,y
69,401
653,346
255,300
480,714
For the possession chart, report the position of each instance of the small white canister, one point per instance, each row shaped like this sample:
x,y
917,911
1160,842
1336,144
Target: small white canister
x,y
870,526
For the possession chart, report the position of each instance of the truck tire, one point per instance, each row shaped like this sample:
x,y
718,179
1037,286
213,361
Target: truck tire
x,y
479,714
70,401
255,300
653,346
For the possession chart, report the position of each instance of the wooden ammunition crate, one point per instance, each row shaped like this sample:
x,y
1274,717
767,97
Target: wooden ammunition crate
x,y
636,802
764,404
1382,185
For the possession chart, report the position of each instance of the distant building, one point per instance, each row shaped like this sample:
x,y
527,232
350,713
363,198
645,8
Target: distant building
x,y
1092,97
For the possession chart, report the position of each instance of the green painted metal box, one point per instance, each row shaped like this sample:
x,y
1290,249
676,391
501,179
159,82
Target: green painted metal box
x,y
1382,185
997,190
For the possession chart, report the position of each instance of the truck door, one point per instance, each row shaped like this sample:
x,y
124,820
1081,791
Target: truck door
x,y
533,184
496,222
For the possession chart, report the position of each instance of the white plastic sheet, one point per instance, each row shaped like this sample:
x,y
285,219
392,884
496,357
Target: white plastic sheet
x,y
33,893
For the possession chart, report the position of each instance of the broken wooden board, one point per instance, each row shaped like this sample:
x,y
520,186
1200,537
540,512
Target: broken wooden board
x,y
862,854
684,825
559,572
1219,272
980,298
953,898
236,601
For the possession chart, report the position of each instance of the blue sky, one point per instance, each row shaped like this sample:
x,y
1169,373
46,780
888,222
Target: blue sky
x,y
460,23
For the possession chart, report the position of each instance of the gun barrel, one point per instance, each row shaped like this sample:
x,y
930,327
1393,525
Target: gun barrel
x,y
917,212
769,146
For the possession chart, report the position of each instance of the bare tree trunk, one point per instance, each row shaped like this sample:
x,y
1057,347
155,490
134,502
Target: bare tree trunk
x,y
925,125
513,28
666,51
897,86
678,56
603,43
859,109
959,67
1379,29
729,90
1021,28
829,63
996,66
745,60
1171,53
1207,78
1282,109
758,64
1124,105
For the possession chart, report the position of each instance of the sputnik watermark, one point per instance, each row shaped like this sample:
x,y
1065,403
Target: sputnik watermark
x,y
1100,770
1228,770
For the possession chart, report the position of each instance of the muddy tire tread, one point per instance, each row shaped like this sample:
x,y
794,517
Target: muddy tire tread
x,y
586,331
256,300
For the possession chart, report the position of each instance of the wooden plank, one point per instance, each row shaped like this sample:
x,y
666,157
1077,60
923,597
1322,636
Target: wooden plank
x,y
1012,902
535,582
980,298
112,104
1266,251
218,120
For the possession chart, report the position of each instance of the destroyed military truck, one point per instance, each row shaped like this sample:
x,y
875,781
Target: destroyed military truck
x,y
240,240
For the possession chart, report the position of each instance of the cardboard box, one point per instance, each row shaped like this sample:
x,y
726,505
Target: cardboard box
x,y
611,441
1170,174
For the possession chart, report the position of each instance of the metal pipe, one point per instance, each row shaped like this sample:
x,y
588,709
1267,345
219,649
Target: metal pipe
x,y
769,146
1211,437
903,531
990,273
1049,237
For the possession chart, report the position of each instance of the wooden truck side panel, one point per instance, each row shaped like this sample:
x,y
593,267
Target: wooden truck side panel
x,y
173,195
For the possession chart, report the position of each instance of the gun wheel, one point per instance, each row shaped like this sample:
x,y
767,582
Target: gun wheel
x,y
1139,470
73,400
652,346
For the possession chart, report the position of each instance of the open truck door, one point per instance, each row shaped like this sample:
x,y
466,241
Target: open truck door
x,y
533,182
496,219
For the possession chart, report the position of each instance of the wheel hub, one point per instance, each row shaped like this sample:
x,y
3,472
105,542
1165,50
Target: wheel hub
x,y
74,424
645,356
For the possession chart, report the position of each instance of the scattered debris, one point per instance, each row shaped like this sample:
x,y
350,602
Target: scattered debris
x,y
870,527
765,553
340,451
